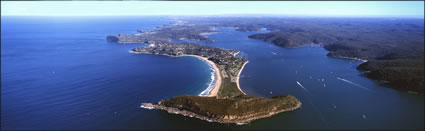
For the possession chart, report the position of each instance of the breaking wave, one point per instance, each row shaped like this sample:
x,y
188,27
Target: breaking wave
x,y
211,84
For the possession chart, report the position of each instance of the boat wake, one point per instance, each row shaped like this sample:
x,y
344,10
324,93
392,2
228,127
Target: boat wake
x,y
303,87
352,83
311,102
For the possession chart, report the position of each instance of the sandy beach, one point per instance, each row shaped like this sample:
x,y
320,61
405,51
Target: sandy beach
x,y
214,91
239,75
217,86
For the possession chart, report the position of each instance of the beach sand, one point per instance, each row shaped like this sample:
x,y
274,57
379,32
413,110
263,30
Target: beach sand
x,y
217,86
214,91
239,75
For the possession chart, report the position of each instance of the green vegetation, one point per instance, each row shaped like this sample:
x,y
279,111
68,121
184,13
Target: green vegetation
x,y
230,105
394,47
402,74
239,109
240,105
228,89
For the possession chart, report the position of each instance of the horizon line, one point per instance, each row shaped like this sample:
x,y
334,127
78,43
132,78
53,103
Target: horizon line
x,y
239,15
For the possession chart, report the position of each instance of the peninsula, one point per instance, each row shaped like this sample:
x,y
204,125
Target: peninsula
x,y
226,102
166,33
392,52
230,103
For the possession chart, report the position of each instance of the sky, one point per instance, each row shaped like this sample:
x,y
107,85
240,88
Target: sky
x,y
289,8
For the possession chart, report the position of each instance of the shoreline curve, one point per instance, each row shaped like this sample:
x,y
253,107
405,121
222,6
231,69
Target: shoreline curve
x,y
239,75
213,92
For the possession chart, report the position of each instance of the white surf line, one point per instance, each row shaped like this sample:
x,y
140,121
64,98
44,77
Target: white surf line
x,y
211,85
303,87
352,83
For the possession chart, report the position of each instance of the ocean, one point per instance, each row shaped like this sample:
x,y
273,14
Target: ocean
x,y
61,73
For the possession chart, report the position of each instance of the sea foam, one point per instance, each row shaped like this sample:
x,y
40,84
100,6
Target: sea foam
x,y
211,84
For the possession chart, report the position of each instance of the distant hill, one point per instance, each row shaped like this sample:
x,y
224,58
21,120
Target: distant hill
x,y
394,47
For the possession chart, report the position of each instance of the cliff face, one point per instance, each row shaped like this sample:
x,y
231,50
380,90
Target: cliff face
x,y
240,109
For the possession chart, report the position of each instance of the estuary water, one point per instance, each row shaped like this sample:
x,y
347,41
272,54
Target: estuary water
x,y
60,73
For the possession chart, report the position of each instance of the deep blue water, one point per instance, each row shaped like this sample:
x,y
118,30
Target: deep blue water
x,y
60,73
